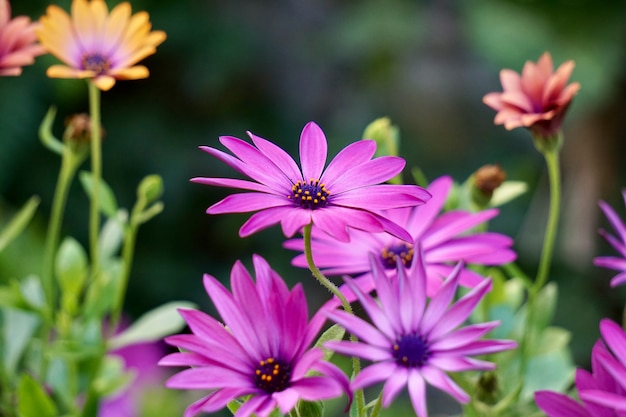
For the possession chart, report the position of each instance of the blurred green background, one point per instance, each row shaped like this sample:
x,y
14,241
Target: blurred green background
x,y
270,67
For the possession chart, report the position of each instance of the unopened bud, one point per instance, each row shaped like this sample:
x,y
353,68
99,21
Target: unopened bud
x,y
78,129
488,178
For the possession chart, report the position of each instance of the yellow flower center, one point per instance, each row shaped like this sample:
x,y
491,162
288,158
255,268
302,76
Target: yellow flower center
x,y
272,375
309,195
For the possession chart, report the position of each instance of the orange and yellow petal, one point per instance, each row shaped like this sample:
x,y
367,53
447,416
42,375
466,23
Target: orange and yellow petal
x,y
133,73
115,26
63,71
104,82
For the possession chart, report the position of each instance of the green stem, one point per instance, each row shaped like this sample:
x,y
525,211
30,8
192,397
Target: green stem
x,y
356,363
69,164
96,172
552,161
128,252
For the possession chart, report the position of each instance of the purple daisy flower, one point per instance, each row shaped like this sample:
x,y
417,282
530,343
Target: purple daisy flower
x,y
445,239
261,350
603,390
412,342
619,243
344,194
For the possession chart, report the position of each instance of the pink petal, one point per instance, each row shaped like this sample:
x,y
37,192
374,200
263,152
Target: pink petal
x,y
313,150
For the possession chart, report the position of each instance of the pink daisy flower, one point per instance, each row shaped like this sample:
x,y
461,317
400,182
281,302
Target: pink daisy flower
x,y
17,41
619,243
261,350
342,195
445,238
603,390
412,342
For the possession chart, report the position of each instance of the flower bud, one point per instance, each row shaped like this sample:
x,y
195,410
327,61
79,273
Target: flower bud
x,y
78,129
484,181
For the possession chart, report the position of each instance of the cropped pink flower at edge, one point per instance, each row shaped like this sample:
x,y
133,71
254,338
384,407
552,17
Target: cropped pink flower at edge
x,y
261,350
536,99
343,195
17,41
445,238
412,341
619,243
96,44
603,390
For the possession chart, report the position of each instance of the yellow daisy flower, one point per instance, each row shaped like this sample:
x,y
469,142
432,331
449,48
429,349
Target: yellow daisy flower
x,y
97,44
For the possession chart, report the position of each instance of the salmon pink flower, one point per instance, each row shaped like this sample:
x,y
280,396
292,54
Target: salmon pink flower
x,y
412,342
17,41
261,350
96,44
619,243
445,238
344,194
537,99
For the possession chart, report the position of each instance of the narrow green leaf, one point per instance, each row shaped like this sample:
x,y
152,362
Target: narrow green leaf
x,y
32,400
508,191
310,409
19,222
112,235
153,325
108,203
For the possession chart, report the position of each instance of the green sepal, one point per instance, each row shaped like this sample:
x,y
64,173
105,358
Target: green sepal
x,y
310,409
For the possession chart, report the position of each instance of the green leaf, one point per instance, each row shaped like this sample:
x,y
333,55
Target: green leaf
x,y
310,409
553,371
101,294
19,222
112,377
112,235
71,267
545,306
507,191
153,325
18,328
32,400
551,339
334,332
108,203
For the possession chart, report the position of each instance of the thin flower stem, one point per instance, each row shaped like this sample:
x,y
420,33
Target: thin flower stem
x,y
128,251
96,172
552,161
69,164
356,363
318,274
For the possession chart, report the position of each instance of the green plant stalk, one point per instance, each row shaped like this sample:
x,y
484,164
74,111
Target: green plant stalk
x,y
552,161
128,251
96,172
69,165
551,156
356,363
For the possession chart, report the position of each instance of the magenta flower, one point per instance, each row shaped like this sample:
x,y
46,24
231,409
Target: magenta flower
x,y
344,194
17,41
619,243
261,350
412,342
603,391
445,239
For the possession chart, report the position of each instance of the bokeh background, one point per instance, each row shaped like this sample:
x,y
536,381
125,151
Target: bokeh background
x,y
272,66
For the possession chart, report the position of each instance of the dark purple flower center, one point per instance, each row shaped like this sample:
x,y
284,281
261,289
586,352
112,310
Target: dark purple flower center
x,y
391,254
309,195
411,351
96,62
272,375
